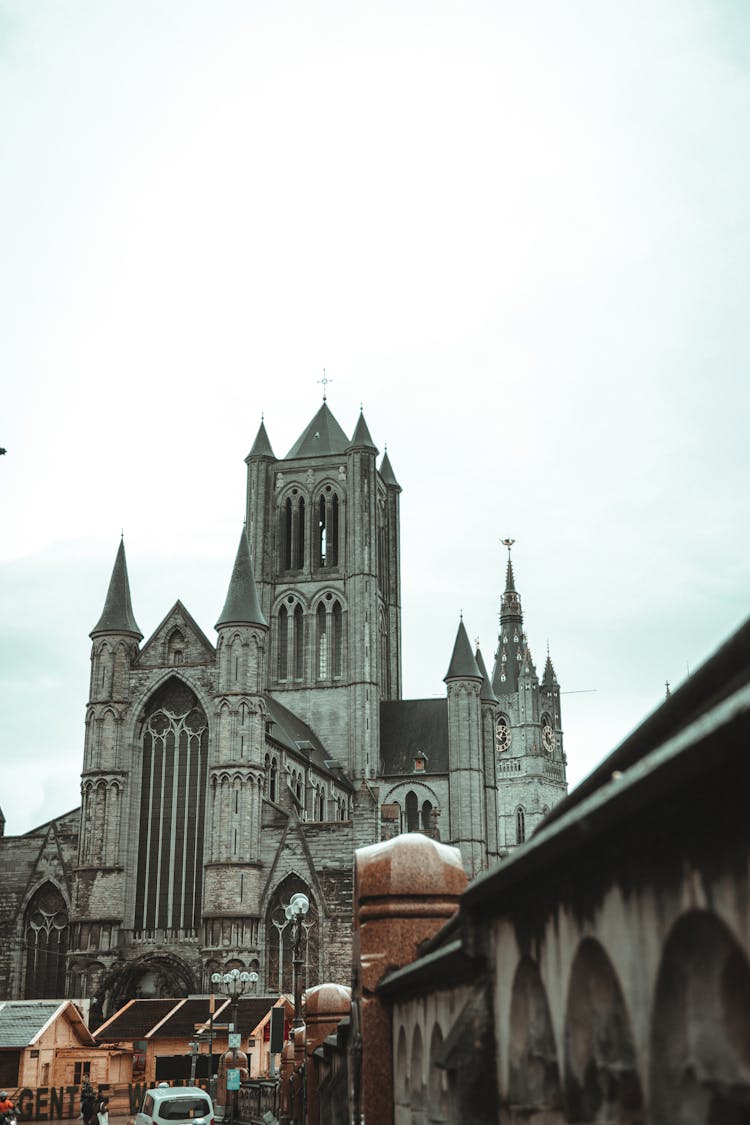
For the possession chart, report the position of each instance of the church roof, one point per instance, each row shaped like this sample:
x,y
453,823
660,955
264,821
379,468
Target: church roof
x,y
549,678
292,733
387,473
361,435
261,445
322,436
409,725
242,606
486,693
117,616
463,665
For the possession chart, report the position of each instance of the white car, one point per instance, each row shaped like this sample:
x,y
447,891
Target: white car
x,y
177,1105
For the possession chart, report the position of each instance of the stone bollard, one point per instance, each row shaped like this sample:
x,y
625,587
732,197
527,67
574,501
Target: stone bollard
x,y
325,1005
406,889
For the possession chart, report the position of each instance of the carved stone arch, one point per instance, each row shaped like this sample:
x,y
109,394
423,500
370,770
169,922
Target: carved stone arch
x,y
109,722
601,1076
175,643
142,704
161,974
279,936
700,1027
534,1073
421,787
45,941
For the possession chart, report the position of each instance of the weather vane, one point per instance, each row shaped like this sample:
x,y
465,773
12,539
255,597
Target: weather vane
x,y
325,381
508,543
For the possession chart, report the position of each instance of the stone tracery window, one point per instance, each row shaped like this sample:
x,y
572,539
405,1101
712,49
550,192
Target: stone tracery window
x,y
172,811
46,938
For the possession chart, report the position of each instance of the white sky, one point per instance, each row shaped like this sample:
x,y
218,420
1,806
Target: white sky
x,y
518,233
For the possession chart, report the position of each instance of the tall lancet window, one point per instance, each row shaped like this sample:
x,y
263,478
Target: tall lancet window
x,y
299,633
337,639
327,551
322,642
169,869
283,644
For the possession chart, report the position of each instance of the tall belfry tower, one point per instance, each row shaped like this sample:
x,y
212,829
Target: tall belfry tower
x,y
323,528
528,734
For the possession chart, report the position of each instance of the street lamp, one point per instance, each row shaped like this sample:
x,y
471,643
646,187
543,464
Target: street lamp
x,y
234,983
298,907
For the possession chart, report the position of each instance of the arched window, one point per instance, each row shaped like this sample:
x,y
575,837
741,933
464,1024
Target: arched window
x,y
299,623
412,812
175,647
279,938
322,643
385,679
46,936
338,639
298,553
427,816
169,867
274,779
283,643
333,544
520,825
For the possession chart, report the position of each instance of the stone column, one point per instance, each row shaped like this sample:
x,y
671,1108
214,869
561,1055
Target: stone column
x,y
406,890
325,1005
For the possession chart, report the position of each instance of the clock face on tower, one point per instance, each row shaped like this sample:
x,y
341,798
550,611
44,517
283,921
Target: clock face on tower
x,y
503,736
548,736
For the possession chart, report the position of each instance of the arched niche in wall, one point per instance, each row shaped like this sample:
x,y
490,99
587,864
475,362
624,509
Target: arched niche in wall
x,y
534,1074
437,1080
700,1030
601,1079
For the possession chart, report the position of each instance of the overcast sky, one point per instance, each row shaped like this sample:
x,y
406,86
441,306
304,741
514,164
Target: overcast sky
x,y
517,233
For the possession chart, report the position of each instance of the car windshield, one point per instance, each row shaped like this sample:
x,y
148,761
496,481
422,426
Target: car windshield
x,y
183,1109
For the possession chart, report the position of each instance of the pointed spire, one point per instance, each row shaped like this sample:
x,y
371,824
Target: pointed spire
x,y
510,585
242,606
463,666
549,679
261,445
117,616
486,694
387,473
321,436
361,435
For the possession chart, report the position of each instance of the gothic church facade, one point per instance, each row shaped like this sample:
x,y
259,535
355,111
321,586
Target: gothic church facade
x,y
218,779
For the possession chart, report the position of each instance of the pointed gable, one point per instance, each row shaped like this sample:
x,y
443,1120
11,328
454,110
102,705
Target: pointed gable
x,y
117,616
321,437
177,640
463,666
261,445
242,606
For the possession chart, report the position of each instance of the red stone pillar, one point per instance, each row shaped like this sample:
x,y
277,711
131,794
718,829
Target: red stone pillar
x,y
325,1005
406,889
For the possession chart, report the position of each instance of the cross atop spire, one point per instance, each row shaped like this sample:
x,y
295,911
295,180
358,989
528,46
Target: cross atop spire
x,y
325,381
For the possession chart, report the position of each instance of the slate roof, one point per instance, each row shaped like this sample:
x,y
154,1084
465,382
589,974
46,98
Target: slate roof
x,y
242,605
463,666
261,445
323,435
134,1020
117,615
387,473
22,1020
289,731
361,435
408,725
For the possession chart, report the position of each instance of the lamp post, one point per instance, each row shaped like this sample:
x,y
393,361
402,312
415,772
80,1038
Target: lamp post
x,y
234,983
298,907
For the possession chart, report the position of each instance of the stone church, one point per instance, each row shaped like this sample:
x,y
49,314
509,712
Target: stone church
x,y
220,778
